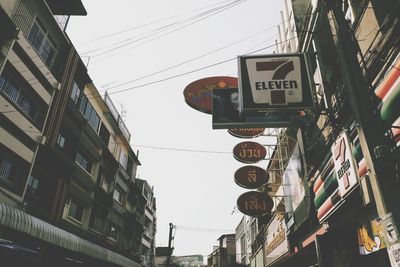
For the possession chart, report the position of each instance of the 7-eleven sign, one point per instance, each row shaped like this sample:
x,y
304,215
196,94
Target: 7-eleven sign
x,y
344,164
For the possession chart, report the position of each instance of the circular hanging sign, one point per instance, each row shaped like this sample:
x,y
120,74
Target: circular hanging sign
x,y
246,132
255,203
198,94
249,152
251,177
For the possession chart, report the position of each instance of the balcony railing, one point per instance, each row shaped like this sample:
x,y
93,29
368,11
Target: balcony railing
x,y
117,117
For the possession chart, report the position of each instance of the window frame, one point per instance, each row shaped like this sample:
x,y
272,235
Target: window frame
x,y
79,207
14,91
44,45
75,92
110,231
87,158
119,199
88,111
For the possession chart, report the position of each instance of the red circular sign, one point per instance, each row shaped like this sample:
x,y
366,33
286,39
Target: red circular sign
x,y
198,94
246,132
255,203
251,177
249,152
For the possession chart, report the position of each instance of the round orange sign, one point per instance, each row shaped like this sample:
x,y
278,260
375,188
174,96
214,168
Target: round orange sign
x,y
198,94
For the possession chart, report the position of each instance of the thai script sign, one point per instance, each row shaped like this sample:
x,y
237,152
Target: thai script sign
x,y
251,177
276,243
249,152
246,132
255,203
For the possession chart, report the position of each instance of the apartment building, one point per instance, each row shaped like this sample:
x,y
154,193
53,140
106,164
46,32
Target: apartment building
x,y
68,189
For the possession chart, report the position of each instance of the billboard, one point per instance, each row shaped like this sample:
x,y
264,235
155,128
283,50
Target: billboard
x,y
198,94
226,114
275,82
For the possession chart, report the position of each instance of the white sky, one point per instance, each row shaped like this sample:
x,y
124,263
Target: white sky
x,y
193,189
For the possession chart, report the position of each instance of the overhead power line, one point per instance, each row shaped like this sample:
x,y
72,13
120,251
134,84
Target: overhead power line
x,y
182,150
188,72
170,28
148,24
191,60
196,229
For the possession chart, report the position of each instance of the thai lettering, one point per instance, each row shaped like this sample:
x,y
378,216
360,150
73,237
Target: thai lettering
x,y
252,176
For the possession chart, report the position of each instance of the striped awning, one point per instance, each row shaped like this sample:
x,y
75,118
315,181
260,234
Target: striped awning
x,y
22,222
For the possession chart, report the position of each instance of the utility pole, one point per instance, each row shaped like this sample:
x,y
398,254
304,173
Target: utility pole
x,y
170,248
375,147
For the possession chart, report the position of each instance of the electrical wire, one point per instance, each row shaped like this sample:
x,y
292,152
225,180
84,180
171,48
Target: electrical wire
x,y
185,23
197,229
147,24
191,60
186,73
182,150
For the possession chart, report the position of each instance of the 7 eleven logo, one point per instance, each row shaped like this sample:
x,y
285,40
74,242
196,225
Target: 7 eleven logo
x,y
344,164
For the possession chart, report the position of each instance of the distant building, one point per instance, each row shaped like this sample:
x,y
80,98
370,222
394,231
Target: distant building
x,y
150,223
188,261
225,253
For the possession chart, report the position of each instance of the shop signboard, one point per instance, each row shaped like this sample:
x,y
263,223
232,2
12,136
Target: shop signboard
x,y
279,82
249,152
246,132
254,203
344,165
226,113
276,243
251,177
371,236
198,94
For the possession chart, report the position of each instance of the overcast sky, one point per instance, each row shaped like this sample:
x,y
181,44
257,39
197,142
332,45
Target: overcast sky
x,y
145,53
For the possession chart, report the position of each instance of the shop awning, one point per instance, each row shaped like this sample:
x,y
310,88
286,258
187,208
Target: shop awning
x,y
22,222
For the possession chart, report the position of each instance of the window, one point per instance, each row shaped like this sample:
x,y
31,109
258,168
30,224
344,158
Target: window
x,y
105,181
9,88
84,161
123,159
118,195
90,114
6,169
104,134
113,232
41,41
76,92
60,141
75,210
96,222
33,184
